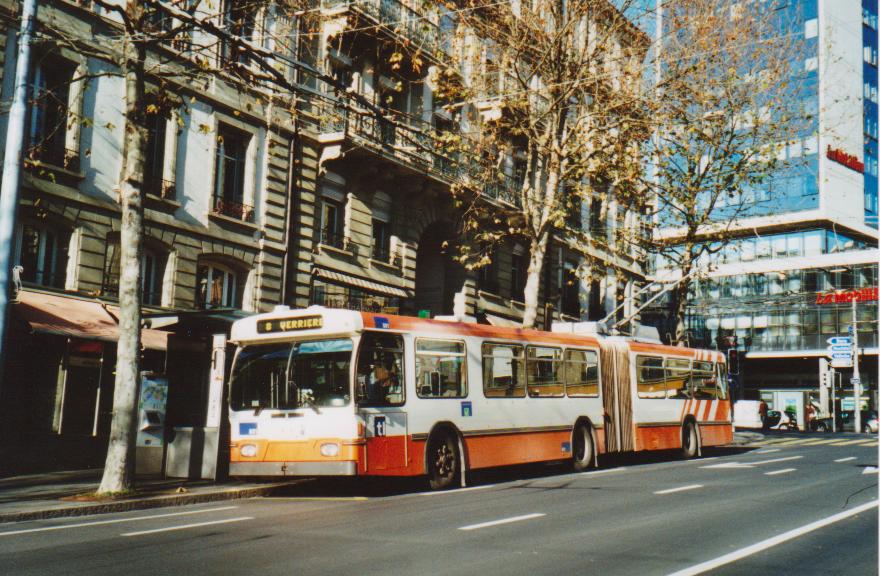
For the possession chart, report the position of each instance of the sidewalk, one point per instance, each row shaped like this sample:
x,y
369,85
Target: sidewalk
x,y
57,494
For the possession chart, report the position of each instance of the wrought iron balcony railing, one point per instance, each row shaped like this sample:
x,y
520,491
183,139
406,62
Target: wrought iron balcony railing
x,y
233,209
418,26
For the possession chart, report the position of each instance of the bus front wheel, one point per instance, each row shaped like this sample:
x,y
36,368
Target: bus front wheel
x,y
443,462
582,448
690,446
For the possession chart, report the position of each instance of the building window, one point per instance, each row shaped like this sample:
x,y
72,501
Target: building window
x,y
218,286
152,273
332,216
569,290
42,254
487,276
49,102
158,179
381,248
230,168
239,19
518,273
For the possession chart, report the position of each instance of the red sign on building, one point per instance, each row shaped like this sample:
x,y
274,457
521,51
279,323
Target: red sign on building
x,y
842,297
844,159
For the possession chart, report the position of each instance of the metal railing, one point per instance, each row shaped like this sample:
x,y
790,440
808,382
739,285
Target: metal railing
x,y
333,238
233,209
401,19
412,140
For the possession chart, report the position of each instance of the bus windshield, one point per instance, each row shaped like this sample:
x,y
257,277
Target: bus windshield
x,y
291,375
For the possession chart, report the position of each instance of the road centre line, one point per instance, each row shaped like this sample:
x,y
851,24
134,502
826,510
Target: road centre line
x,y
679,489
502,521
770,451
847,459
115,521
782,471
774,541
185,526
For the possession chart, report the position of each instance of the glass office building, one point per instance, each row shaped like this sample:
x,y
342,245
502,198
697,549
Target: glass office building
x,y
808,245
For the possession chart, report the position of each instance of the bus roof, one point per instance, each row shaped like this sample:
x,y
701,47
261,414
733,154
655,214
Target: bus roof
x,y
284,323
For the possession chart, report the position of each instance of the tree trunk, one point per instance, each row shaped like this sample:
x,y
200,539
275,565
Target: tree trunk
x,y
119,465
679,303
537,250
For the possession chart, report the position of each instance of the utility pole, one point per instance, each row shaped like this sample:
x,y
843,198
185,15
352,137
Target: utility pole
x,y
856,380
12,163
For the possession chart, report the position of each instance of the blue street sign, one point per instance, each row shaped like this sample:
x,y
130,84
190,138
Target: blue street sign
x,y
839,348
840,341
841,355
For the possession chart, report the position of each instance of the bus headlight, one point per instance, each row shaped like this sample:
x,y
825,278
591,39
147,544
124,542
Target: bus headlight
x,y
248,450
330,450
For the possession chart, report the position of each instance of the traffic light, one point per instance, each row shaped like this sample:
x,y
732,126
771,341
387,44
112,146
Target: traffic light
x,y
733,361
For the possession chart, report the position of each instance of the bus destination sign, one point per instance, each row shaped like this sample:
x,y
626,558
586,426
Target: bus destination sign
x,y
289,324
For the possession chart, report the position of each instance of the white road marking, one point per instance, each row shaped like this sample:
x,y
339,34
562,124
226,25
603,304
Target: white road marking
x,y
456,491
679,489
870,470
776,460
749,464
115,521
770,542
185,526
603,471
502,521
771,450
847,459
782,471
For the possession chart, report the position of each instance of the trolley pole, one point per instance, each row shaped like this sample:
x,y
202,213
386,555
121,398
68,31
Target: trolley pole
x,y
11,179
856,379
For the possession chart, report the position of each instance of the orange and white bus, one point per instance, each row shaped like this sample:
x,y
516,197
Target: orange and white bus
x,y
337,392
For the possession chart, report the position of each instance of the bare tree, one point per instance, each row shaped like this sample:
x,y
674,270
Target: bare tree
x,y
137,47
548,98
726,104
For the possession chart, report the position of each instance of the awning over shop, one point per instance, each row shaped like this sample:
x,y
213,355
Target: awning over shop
x,y
503,322
367,285
77,318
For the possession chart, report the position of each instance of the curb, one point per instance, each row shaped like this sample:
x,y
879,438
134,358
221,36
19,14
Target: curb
x,y
144,503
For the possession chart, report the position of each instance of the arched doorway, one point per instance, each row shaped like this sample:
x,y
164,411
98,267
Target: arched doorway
x,y
438,276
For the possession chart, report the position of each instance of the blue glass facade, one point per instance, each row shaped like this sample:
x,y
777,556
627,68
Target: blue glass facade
x,y
869,78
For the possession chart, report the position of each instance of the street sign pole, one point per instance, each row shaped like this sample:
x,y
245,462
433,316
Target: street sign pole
x,y
856,380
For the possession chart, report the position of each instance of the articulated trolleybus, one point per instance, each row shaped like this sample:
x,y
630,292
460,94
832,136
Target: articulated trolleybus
x,y
320,391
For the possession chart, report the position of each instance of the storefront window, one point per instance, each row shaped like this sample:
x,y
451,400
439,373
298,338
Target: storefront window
x,y
350,298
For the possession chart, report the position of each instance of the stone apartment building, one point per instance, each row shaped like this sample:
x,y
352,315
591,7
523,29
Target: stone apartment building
x,y
250,202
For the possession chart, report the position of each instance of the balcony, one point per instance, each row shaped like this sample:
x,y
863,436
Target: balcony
x,y
411,141
234,210
398,19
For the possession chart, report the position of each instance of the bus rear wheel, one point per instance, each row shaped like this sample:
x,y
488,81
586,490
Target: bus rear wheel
x,y
582,448
443,462
690,446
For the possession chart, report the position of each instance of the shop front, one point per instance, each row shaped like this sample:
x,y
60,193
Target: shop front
x,y
57,389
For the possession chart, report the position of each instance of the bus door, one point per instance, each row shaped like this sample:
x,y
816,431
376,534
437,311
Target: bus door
x,y
617,397
381,394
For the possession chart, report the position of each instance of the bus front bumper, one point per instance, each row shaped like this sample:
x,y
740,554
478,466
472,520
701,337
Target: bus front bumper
x,y
338,468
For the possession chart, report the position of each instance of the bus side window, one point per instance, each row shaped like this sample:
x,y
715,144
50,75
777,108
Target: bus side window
x,y
678,378
581,373
503,375
544,371
440,368
704,381
651,382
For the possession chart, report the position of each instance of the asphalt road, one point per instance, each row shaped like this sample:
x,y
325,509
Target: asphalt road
x,y
788,508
